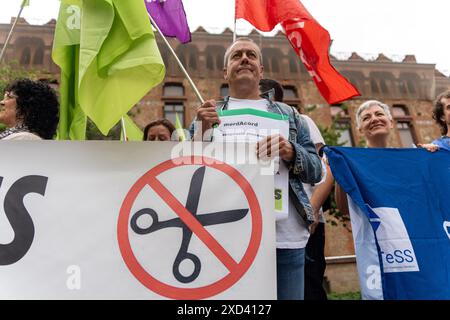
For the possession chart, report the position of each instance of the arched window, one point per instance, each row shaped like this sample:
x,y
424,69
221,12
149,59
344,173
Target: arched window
x,y
209,62
409,84
271,59
26,56
275,66
219,60
188,55
382,82
293,62
405,127
374,86
31,49
38,56
193,61
214,57
356,78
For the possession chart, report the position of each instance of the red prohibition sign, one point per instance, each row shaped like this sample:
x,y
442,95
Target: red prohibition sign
x,y
236,269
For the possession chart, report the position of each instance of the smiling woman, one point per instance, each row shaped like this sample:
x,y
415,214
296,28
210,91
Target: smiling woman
x,y
30,111
374,121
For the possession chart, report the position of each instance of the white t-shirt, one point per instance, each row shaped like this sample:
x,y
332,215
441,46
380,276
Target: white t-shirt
x,y
234,104
291,233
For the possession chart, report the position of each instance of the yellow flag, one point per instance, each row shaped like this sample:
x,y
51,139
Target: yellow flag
x,y
179,128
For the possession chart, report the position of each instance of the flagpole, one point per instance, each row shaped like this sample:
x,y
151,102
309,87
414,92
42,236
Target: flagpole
x,y
124,131
10,33
234,30
197,93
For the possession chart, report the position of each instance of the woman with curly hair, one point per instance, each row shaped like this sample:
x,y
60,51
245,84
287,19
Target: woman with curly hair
x,y
30,111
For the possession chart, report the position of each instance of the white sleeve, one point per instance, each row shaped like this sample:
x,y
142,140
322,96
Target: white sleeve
x,y
23,136
314,132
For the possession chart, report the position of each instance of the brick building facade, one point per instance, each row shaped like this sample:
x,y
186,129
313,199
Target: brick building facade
x,y
407,86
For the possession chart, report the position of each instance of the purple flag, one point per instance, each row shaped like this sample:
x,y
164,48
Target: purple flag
x,y
170,17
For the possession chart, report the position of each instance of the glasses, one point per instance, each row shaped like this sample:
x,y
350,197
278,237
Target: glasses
x,y
10,95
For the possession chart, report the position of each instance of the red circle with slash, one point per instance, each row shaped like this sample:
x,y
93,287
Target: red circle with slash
x,y
236,269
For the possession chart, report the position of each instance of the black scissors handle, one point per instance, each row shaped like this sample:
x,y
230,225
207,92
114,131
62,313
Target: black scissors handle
x,y
191,205
183,255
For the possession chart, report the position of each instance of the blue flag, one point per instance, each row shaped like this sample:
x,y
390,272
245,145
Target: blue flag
x,y
398,201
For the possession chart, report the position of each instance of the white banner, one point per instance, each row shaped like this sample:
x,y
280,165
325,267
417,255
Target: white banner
x,y
114,220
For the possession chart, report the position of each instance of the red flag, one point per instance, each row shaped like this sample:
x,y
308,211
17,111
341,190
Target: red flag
x,y
309,39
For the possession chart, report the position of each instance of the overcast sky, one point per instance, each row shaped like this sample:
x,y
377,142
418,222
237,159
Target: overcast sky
x,y
393,27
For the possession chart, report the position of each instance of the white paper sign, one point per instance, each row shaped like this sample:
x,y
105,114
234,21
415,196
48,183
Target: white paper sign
x,y
251,125
114,220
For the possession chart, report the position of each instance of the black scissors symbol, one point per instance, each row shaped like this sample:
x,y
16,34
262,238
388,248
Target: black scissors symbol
x,y
207,219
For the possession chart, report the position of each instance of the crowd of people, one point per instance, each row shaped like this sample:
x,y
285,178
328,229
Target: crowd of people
x,y
29,110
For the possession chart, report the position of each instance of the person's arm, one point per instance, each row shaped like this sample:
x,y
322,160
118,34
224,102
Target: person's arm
x,y
341,199
206,117
306,164
319,195
429,146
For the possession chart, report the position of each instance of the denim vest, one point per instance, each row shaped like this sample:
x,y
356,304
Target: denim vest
x,y
306,167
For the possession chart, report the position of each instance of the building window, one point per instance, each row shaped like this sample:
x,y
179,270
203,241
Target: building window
x,y
171,109
374,86
290,93
405,128
173,90
188,55
38,56
219,61
193,61
214,57
399,111
406,136
293,65
173,95
271,59
357,79
409,84
290,97
209,62
275,66
26,56
383,83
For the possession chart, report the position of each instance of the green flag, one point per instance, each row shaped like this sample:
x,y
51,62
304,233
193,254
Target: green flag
x,y
25,3
65,53
179,128
119,59
134,133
